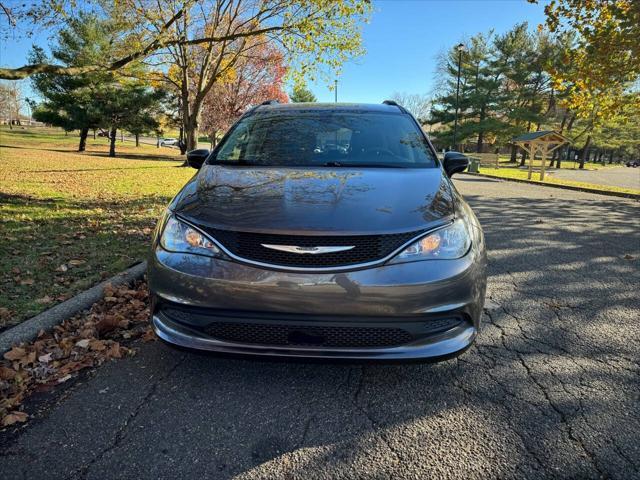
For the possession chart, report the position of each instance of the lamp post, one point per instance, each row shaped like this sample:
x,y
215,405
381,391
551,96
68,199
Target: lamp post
x,y
335,89
460,48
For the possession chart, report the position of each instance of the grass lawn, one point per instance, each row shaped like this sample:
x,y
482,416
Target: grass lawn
x,y
68,219
521,174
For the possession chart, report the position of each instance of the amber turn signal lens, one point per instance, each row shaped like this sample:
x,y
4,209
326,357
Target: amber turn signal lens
x,y
430,243
193,238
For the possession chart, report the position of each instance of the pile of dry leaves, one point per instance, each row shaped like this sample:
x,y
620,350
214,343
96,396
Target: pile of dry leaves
x,y
84,341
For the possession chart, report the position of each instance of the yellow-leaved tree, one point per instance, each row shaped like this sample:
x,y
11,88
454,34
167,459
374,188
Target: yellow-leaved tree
x,y
598,71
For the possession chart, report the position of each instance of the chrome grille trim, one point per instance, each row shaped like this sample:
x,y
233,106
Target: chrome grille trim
x,y
358,266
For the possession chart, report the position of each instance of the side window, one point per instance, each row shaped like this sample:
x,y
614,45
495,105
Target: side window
x,y
233,150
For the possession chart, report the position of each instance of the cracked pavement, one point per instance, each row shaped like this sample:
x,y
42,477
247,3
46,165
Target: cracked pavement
x,y
550,390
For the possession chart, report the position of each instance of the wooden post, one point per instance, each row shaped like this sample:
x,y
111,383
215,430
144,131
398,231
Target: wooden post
x,y
543,154
531,153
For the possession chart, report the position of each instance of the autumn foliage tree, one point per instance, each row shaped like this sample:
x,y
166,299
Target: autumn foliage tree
x,y
254,79
528,80
599,69
211,36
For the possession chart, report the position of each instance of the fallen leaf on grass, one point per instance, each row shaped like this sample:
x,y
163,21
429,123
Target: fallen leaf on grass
x,y
44,300
83,343
14,417
5,313
75,263
27,281
62,268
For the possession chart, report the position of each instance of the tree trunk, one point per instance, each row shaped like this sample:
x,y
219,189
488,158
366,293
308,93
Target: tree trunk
x,y
212,137
94,133
523,158
112,145
182,144
585,152
480,133
561,151
514,153
557,153
84,133
137,139
191,129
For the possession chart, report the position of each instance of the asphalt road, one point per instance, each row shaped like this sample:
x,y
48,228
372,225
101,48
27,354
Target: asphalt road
x,y
551,390
614,176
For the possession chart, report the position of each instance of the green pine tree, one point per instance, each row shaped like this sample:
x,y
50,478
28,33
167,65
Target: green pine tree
x,y
301,94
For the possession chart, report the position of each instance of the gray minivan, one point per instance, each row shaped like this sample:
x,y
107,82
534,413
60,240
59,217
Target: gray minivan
x,y
320,230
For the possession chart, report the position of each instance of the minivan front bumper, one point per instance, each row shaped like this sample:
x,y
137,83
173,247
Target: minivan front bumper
x,y
407,296
438,346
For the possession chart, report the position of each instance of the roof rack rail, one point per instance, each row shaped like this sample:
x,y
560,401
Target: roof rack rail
x,y
395,104
255,107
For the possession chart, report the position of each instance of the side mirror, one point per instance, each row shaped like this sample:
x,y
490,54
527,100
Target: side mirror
x,y
455,162
195,158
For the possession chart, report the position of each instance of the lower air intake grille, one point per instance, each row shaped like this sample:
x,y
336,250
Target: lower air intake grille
x,y
325,336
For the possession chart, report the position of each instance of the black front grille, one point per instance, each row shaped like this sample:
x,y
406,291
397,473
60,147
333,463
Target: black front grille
x,y
282,329
325,336
367,248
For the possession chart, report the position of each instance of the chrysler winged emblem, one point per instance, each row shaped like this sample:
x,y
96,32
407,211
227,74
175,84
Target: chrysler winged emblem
x,y
307,250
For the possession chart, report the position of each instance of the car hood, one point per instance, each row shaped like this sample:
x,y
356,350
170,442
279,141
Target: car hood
x,y
316,200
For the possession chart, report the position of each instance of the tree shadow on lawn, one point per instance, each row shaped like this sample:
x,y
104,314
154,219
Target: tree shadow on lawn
x,y
40,235
99,169
138,156
119,155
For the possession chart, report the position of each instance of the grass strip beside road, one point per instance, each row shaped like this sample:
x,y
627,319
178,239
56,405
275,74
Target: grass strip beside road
x,y
521,174
68,220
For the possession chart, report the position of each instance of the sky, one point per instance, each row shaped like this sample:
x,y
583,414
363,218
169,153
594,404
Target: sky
x,y
402,40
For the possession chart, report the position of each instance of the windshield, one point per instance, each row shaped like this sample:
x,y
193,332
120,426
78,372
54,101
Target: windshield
x,y
330,138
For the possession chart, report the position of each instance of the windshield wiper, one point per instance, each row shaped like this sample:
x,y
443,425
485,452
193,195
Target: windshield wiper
x,y
365,165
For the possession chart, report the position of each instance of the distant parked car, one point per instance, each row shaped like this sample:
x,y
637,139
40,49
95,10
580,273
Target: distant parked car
x,y
168,142
633,163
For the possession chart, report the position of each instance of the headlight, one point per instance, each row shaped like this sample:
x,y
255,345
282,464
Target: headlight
x,y
449,242
182,238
